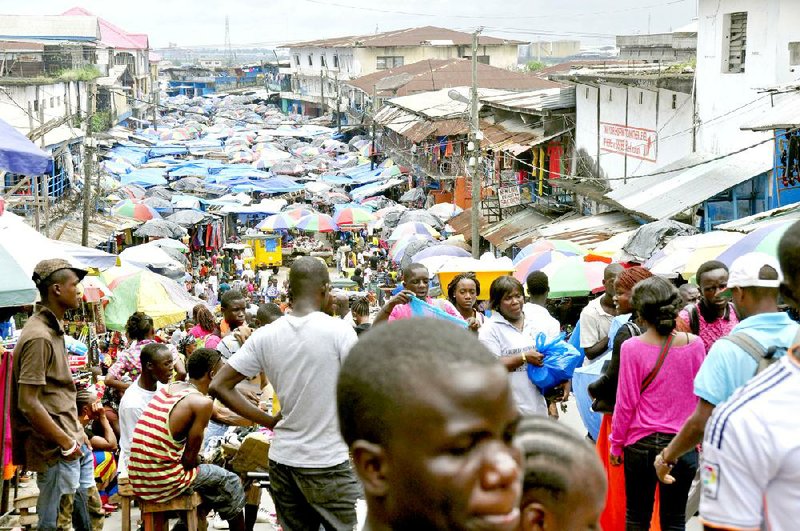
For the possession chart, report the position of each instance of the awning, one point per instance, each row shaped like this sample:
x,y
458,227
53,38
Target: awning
x,y
783,114
501,234
762,219
584,230
675,189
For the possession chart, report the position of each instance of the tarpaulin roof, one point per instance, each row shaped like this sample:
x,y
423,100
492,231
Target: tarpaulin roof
x,y
145,177
20,155
373,188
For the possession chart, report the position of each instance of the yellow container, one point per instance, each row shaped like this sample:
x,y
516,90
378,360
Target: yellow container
x,y
484,277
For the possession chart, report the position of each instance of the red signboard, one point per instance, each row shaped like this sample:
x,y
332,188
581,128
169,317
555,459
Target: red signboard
x,y
631,141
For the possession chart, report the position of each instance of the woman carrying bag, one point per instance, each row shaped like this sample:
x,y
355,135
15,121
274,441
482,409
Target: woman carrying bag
x,y
654,398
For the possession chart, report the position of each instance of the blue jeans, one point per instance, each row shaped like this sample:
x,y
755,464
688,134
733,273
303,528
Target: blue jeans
x,y
221,490
60,479
307,498
641,480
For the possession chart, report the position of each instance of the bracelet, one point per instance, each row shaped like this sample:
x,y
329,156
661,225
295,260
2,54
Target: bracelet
x,y
664,461
523,357
71,449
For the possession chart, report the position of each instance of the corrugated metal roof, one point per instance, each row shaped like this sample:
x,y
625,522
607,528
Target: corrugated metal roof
x,y
667,194
429,35
434,74
114,73
585,230
462,224
499,234
50,27
762,219
784,114
21,46
534,100
112,35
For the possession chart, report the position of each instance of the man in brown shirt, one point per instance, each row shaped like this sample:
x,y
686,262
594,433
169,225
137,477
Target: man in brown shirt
x,y
47,436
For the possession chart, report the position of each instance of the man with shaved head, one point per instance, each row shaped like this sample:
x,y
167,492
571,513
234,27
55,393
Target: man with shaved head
x,y
311,480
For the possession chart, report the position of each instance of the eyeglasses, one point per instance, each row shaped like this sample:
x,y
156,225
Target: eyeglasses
x,y
788,295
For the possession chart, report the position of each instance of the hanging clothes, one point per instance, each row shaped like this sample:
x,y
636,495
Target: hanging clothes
x,y
554,152
448,149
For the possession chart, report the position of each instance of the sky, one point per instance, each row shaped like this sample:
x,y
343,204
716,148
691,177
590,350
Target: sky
x,y
274,22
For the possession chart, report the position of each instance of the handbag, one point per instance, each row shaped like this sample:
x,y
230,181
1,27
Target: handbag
x,y
659,363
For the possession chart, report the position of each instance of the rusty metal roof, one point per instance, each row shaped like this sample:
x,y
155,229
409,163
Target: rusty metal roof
x,y
436,74
462,224
422,36
499,234
585,230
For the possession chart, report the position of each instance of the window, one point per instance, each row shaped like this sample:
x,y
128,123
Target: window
x,y
58,101
297,60
389,61
734,42
641,97
610,95
794,53
322,61
52,99
310,59
483,59
36,105
674,101
336,61
586,94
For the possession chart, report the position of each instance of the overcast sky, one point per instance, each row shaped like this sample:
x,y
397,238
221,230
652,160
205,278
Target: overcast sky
x,y
272,22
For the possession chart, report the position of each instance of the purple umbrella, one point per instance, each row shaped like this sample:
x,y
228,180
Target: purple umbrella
x,y
440,250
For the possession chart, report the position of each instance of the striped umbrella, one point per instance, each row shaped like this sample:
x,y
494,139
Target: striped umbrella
x,y
573,277
277,222
563,246
298,212
441,250
135,210
353,216
317,223
413,227
763,240
535,262
397,250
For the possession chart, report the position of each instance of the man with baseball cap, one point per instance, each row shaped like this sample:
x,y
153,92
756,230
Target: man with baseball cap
x,y
47,437
762,335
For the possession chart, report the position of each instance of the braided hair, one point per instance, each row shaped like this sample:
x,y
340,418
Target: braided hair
x,y
658,302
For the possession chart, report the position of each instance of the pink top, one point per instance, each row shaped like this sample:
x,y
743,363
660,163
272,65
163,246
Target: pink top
x,y
666,404
710,332
211,340
403,311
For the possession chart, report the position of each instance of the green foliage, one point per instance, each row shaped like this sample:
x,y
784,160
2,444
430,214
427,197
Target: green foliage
x,y
85,73
101,121
533,66
691,64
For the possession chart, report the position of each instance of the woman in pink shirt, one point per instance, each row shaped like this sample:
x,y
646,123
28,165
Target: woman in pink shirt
x,y
655,397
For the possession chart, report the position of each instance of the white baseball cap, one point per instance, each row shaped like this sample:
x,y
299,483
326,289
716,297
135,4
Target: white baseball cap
x,y
744,271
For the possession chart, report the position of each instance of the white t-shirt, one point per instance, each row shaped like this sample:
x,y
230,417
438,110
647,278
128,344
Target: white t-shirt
x,y
503,340
239,263
595,323
541,321
751,454
131,407
301,357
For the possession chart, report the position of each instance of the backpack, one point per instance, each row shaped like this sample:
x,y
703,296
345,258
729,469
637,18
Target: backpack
x,y
763,357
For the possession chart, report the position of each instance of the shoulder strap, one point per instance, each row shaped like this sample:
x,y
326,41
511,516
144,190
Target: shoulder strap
x,y
753,348
661,357
633,329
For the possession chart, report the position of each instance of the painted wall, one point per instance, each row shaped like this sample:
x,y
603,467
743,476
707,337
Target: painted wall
x,y
501,56
771,26
639,130
53,100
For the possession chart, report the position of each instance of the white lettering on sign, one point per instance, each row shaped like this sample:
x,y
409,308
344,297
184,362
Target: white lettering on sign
x,y
631,141
509,196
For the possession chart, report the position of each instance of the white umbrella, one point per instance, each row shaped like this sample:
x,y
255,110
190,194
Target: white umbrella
x,y
149,255
172,244
445,211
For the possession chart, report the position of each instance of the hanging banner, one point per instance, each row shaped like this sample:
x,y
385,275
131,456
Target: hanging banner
x,y
631,141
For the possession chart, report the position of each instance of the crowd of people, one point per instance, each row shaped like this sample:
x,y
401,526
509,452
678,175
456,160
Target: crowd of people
x,y
423,406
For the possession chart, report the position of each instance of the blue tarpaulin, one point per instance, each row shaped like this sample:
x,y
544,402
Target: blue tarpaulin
x,y
144,177
20,155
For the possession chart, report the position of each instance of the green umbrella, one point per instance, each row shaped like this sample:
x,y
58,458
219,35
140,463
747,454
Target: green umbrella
x,y
573,277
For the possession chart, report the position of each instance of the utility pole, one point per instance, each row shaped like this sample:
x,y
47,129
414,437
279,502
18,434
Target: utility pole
x,y
321,92
88,155
474,161
338,105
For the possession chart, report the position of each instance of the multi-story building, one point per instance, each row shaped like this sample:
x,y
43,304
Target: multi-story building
x,y
318,66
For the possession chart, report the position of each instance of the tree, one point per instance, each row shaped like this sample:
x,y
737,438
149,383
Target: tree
x,y
533,66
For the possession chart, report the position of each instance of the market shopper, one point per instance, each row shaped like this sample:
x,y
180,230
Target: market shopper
x,y
690,293
508,335
563,483
714,316
205,331
536,309
463,292
46,434
311,480
654,399
165,451
415,284
429,419
596,317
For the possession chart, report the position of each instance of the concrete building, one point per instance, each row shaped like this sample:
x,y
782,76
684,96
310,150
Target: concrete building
x,y
318,66
674,47
548,51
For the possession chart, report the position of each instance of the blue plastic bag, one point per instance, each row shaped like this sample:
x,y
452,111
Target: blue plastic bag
x,y
560,361
420,308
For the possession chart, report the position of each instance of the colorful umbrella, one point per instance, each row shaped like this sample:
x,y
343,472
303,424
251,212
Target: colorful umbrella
x,y
163,299
397,250
563,246
683,255
413,227
17,289
764,240
132,209
572,277
297,213
440,250
317,223
353,216
535,262
277,222
445,211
